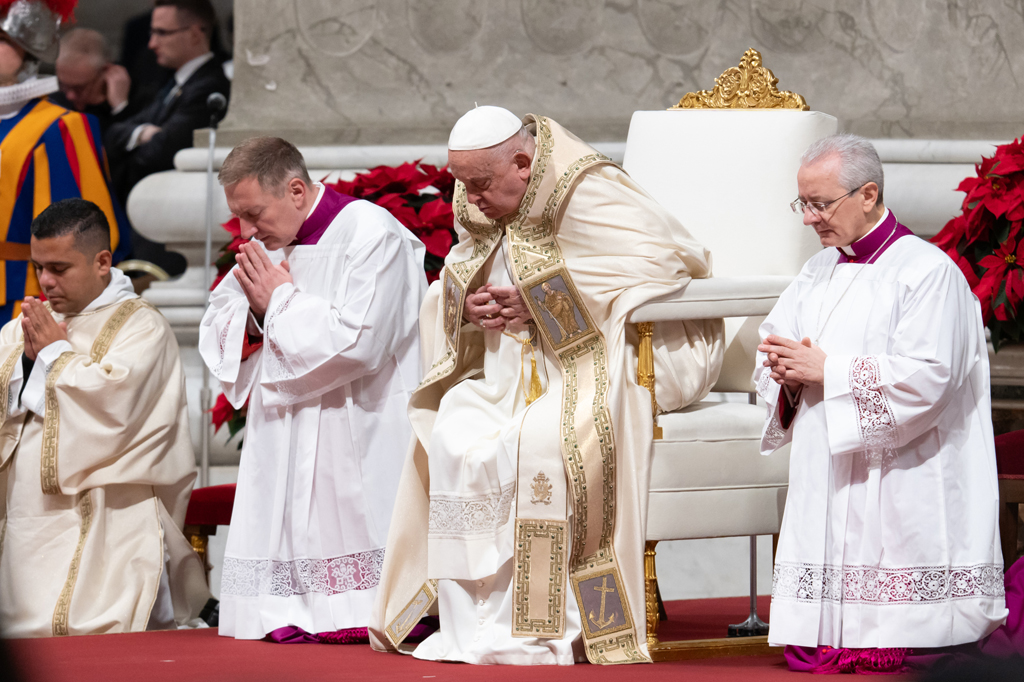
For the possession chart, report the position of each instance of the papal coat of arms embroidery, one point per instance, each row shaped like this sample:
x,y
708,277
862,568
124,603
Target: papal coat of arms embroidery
x,y
541,489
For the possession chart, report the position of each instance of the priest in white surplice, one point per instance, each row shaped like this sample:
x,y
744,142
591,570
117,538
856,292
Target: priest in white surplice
x,y
523,502
874,365
316,326
96,463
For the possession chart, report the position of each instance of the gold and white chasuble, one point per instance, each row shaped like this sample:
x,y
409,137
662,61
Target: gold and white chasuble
x,y
525,522
97,467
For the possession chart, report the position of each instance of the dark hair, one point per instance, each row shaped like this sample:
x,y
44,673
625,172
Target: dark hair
x,y
79,217
271,160
199,11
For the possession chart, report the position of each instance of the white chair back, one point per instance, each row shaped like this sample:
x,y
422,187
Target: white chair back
x,y
729,176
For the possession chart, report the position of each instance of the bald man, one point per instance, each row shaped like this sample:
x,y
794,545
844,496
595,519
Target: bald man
x,y
89,81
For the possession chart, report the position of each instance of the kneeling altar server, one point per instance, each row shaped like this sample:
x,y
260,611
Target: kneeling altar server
x,y
874,366
316,326
523,502
95,457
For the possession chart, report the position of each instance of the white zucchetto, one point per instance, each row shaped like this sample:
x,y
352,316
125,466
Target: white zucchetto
x,y
483,127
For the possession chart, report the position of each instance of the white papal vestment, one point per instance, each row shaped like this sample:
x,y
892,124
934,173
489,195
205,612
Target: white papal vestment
x,y
97,466
501,503
890,534
327,427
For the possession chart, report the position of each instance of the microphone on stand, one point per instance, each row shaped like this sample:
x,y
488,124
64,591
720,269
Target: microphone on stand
x,y
217,104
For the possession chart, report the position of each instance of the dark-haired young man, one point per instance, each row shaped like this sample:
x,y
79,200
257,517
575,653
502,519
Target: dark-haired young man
x,y
96,463
145,143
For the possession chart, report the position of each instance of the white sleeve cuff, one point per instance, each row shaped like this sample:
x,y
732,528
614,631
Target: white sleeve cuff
x,y
114,111
33,398
133,141
252,327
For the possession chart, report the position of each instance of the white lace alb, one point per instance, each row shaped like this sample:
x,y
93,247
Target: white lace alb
x,y
255,577
453,516
879,586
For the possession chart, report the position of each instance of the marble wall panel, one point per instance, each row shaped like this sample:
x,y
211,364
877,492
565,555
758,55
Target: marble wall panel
x,y
402,71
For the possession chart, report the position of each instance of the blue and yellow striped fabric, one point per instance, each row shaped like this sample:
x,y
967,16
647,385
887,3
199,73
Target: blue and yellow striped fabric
x,y
48,153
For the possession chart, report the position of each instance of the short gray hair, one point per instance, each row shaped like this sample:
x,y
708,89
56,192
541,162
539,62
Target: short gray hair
x,y
84,43
858,160
273,161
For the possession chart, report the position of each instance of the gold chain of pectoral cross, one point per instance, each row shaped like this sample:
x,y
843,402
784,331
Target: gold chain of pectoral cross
x,y
534,390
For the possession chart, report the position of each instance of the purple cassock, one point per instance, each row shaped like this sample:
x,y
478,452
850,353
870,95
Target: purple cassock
x,y
323,215
871,246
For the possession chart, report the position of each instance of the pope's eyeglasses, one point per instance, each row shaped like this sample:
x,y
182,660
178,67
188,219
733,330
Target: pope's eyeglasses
x,y
817,207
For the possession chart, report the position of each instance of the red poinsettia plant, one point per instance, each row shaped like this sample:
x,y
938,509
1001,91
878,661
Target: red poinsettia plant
x,y
418,195
987,241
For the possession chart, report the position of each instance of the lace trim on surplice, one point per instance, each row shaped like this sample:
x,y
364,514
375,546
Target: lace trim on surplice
x,y
865,585
454,516
254,577
874,415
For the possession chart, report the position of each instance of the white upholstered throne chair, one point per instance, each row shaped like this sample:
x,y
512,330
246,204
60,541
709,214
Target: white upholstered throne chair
x,y
728,175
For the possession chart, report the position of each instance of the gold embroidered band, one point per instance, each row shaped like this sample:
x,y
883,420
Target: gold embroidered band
x,y
399,628
539,583
63,608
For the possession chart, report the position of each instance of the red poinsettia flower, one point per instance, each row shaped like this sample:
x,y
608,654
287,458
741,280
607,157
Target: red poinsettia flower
x,y
950,235
1009,158
222,412
1008,256
233,226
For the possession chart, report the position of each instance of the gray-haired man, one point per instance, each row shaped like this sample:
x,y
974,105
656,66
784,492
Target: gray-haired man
x,y
874,365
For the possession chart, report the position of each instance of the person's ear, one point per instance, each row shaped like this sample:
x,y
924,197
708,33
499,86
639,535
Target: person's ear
x,y
103,261
870,194
297,192
523,162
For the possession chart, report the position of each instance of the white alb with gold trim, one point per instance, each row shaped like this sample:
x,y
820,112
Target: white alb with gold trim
x,y
97,466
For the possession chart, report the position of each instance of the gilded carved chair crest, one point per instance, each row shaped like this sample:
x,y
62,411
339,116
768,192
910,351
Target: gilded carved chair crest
x,y
747,86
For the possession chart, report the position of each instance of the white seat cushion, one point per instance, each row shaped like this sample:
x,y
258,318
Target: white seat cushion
x,y
708,478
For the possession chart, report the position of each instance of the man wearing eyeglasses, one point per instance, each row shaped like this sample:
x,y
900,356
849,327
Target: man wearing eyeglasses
x,y
874,366
180,37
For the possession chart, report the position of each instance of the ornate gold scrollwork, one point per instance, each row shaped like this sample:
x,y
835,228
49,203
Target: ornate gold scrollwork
x,y
747,86
645,368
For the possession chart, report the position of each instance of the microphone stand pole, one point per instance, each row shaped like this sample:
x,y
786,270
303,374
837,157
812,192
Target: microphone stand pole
x,y
205,395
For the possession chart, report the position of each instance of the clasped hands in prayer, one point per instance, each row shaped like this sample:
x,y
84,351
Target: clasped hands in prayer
x,y
39,327
494,307
794,363
259,276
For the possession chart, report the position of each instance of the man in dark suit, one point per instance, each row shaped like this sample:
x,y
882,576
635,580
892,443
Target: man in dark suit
x,y
147,142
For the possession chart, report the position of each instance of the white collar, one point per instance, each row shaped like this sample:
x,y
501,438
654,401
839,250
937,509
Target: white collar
x,y
190,67
14,97
319,196
848,250
119,289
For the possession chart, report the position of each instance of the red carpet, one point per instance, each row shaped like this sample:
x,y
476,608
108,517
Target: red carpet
x,y
188,656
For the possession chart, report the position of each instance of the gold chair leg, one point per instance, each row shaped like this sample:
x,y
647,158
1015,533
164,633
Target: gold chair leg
x,y
651,590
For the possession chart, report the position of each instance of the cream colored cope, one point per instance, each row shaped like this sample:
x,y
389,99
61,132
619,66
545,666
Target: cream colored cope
x,y
97,466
